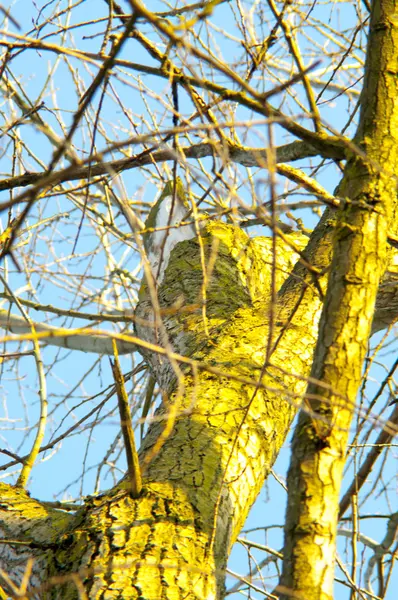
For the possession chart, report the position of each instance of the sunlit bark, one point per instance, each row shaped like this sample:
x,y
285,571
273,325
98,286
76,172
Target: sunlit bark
x,y
359,260
233,362
203,478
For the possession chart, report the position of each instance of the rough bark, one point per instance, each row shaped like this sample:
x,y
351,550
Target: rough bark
x,y
230,424
226,413
359,260
232,412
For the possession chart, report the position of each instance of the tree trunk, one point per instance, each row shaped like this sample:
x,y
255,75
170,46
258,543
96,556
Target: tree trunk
x,y
225,415
233,366
359,261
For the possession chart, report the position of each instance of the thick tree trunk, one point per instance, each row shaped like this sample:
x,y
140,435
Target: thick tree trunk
x,y
225,415
234,370
231,418
231,415
359,261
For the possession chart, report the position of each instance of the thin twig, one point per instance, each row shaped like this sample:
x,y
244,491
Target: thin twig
x,y
133,465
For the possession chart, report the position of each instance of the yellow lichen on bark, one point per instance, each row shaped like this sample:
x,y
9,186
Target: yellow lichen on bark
x,y
359,261
174,540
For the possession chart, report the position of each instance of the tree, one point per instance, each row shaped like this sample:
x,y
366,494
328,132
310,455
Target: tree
x,y
241,332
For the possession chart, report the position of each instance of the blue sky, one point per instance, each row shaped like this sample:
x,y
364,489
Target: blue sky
x,y
85,281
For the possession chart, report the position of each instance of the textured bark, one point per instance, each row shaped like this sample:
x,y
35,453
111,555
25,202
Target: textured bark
x,y
226,413
173,541
359,261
